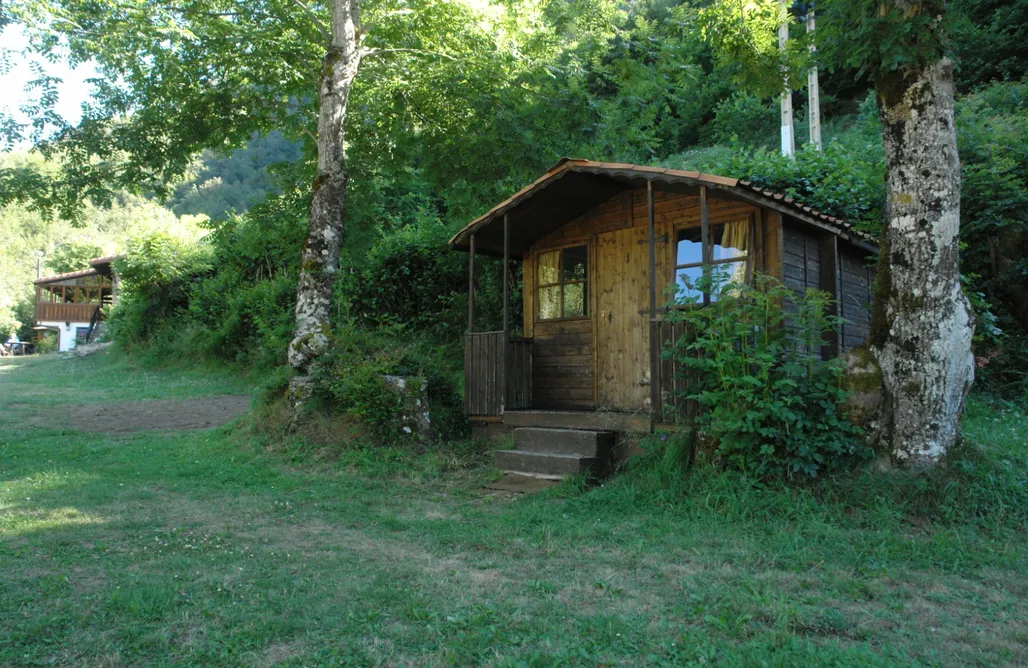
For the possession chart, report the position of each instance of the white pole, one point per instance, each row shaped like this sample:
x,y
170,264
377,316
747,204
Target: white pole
x,y
788,135
813,94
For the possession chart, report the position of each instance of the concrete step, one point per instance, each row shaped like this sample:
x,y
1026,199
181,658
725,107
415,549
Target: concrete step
x,y
520,483
547,464
588,420
564,441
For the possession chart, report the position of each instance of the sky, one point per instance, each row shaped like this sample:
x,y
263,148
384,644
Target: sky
x,y
72,92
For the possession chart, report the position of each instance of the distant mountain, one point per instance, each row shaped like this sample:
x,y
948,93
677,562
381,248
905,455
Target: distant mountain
x,y
226,184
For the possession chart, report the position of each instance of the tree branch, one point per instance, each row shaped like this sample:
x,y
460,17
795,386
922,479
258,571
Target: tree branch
x,y
375,52
317,21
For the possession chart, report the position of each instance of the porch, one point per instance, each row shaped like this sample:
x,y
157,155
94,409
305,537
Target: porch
x,y
500,372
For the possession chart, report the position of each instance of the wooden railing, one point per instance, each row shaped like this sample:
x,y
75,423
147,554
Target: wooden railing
x,y
519,373
497,374
62,312
671,377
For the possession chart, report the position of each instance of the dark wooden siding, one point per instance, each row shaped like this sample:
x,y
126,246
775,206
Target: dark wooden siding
x,y
562,365
855,296
801,259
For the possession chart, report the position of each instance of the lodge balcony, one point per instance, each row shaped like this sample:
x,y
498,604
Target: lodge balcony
x,y
66,312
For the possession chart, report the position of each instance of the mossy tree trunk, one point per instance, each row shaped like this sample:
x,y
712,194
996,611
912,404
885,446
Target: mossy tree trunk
x,y
320,255
921,322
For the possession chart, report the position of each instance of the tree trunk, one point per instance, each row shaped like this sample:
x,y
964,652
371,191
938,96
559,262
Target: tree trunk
x,y
921,322
319,260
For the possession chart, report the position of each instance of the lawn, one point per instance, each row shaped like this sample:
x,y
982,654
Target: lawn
x,y
204,547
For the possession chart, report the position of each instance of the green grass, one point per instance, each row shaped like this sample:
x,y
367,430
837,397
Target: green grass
x,y
204,547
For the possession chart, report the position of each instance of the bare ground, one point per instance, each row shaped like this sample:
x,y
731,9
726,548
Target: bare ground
x,y
152,415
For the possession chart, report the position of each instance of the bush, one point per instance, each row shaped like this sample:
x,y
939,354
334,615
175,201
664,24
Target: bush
x,y
744,118
767,401
46,344
350,381
157,275
411,278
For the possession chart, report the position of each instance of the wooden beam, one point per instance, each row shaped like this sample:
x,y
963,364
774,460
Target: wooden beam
x,y
505,344
655,407
830,277
705,238
471,286
506,276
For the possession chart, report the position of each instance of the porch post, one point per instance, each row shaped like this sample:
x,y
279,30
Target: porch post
x,y
655,401
506,277
705,225
471,286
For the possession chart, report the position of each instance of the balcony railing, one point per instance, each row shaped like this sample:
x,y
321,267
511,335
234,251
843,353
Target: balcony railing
x,y
62,312
496,376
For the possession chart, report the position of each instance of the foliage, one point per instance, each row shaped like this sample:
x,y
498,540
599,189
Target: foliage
x,y
46,344
156,275
838,180
768,402
351,378
743,119
72,256
989,40
220,185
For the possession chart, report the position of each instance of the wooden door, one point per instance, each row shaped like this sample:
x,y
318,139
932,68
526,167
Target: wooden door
x,y
622,335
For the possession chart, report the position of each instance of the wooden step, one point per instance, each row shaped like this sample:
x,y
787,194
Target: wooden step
x,y
549,464
588,420
564,441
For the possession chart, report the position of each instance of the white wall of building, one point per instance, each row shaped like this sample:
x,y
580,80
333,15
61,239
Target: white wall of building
x,y
66,332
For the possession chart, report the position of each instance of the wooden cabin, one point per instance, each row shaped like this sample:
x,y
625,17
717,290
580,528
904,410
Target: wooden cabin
x,y
600,243
70,304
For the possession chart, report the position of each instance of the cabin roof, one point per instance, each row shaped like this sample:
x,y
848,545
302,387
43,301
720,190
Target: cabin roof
x,y
572,186
98,266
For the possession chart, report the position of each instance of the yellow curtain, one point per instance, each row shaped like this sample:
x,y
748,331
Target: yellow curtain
x,y
548,268
737,238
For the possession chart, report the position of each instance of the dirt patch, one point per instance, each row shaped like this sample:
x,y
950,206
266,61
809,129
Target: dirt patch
x,y
156,415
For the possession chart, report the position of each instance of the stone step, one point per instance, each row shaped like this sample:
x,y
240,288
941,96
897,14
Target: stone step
x,y
564,441
548,464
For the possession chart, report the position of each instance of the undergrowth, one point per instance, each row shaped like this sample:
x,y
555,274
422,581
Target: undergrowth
x,y
983,482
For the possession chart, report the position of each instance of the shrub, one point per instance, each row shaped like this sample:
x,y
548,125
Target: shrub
x,y
767,401
46,344
157,274
744,118
350,380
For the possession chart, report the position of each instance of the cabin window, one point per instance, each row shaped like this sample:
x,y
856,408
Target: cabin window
x,y
562,283
728,257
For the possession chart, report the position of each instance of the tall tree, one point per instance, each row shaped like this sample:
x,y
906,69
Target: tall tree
x,y
320,256
921,323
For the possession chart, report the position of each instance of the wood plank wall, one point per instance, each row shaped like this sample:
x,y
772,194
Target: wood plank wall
x,y
573,359
855,296
802,267
562,365
483,373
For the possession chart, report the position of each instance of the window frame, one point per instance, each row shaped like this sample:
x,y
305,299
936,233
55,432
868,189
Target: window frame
x,y
707,249
587,289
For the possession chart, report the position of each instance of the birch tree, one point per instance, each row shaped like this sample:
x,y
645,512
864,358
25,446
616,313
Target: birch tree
x,y
921,322
319,259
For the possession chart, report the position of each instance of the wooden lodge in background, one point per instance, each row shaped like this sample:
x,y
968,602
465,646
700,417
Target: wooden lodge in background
x,y
600,245
71,304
